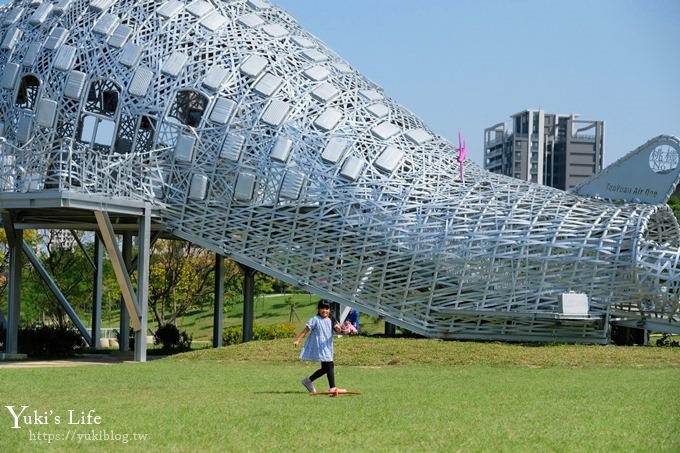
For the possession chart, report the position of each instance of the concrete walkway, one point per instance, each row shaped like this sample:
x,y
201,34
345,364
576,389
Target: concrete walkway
x,y
79,360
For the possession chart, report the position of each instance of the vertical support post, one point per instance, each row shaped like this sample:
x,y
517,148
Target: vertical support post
x,y
390,329
97,292
143,246
124,320
218,313
14,293
248,301
607,327
335,311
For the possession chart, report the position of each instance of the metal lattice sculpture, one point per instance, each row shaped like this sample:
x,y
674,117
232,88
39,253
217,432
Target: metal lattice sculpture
x,y
256,141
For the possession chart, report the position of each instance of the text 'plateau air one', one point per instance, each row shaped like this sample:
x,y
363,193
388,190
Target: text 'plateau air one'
x,y
253,139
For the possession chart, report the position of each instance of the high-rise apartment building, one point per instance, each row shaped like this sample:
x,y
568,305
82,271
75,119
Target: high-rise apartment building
x,y
556,150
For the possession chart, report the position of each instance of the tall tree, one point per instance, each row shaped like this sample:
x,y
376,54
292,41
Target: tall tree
x,y
674,203
71,272
31,237
181,277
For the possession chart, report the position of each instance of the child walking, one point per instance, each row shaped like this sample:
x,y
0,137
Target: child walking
x,y
319,346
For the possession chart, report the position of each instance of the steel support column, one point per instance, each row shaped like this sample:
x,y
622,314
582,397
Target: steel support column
x,y
97,292
248,301
124,320
218,312
143,247
14,292
122,276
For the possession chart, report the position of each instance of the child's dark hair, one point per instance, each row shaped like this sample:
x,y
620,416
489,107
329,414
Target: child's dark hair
x,y
323,303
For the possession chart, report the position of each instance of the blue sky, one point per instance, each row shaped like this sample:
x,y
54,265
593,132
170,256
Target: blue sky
x,y
469,64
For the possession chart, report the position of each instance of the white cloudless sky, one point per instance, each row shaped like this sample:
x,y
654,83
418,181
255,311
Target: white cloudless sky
x,y
469,64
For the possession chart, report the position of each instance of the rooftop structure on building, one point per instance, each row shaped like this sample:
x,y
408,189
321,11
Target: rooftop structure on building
x,y
556,150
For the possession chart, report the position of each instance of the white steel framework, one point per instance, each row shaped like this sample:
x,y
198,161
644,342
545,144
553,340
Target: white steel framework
x,y
253,139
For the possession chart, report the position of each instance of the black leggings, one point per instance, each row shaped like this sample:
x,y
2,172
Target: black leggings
x,y
327,368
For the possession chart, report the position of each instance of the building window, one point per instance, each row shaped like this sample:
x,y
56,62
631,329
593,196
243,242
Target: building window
x,y
96,131
97,126
102,98
189,107
145,132
135,133
28,92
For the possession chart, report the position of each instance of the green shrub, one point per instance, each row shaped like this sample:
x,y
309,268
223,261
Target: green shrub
x,y
49,341
274,331
167,335
172,339
234,335
667,340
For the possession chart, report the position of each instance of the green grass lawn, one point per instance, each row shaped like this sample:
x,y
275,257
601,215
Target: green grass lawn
x,y
417,395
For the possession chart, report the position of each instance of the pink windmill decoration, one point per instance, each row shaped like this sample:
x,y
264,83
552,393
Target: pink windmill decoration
x,y
462,153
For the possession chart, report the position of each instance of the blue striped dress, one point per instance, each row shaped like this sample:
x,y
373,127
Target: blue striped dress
x,y
319,344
